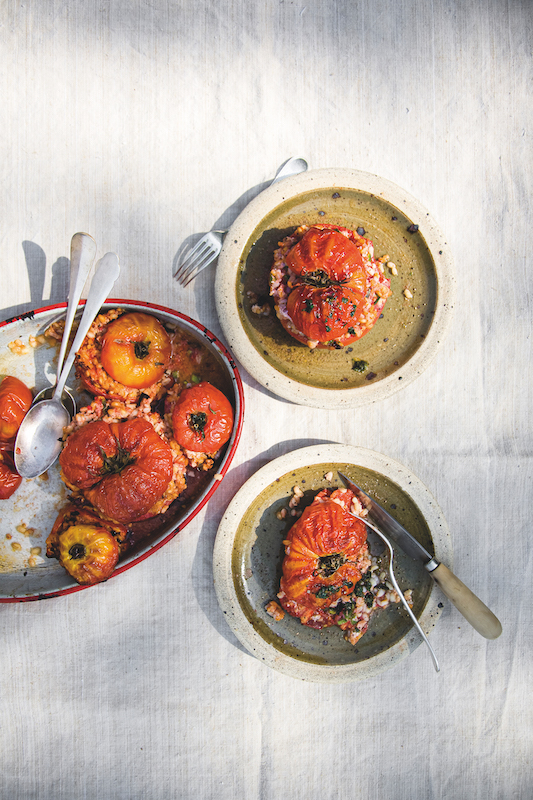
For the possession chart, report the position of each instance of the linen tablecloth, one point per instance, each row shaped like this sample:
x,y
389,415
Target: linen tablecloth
x,y
144,123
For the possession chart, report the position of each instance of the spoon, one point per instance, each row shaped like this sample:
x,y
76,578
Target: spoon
x,y
82,254
39,438
291,167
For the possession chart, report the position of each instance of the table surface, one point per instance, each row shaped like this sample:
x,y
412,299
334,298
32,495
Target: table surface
x,y
145,123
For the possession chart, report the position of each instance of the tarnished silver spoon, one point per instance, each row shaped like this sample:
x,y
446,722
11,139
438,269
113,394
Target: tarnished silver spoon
x,y
82,255
38,441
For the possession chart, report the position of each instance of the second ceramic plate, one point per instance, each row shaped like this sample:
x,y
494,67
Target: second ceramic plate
x,y
249,552
405,338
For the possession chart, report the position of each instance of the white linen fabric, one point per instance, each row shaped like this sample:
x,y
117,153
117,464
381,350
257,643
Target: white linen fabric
x,y
144,123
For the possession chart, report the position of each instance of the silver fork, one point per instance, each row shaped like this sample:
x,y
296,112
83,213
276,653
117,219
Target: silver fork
x,y
202,254
206,250
398,590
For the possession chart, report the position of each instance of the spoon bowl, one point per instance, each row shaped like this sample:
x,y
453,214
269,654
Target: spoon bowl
x,y
67,399
39,439
292,166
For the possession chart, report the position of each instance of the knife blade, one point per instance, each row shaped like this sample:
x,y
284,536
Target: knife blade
x,y
465,601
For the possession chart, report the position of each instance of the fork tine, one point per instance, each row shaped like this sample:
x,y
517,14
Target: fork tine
x,y
202,259
200,256
200,245
184,269
188,256
197,266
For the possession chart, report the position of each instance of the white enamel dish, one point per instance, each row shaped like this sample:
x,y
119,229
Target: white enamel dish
x,y
27,517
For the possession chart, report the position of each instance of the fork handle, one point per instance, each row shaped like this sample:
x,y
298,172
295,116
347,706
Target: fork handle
x,y
471,607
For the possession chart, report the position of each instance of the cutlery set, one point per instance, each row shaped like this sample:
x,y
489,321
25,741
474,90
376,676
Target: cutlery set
x,y
465,601
207,249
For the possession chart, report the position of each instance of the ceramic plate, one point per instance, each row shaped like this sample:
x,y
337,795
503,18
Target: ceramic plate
x,y
249,552
405,338
27,517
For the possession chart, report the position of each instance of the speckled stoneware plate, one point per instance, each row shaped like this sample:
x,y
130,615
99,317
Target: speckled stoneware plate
x,y
405,338
249,552
27,517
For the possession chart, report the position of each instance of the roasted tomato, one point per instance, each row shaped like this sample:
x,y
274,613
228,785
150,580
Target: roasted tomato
x,y
328,290
202,419
325,254
88,553
135,350
10,480
323,313
186,359
73,515
323,556
98,381
121,468
329,287
15,400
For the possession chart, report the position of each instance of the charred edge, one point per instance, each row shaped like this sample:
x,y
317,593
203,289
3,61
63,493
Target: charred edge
x,y
21,317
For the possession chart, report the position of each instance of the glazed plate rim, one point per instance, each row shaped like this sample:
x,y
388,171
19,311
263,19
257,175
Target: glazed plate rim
x,y
227,299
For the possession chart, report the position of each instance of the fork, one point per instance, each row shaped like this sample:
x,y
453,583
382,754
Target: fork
x,y
206,250
202,254
397,589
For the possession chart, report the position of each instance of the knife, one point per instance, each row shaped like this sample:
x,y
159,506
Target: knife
x,y
471,607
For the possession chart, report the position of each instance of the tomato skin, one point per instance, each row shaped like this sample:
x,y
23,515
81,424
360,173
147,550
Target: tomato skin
x,y
328,250
80,515
72,516
15,400
329,284
323,313
121,468
202,419
10,480
136,350
326,533
89,553
328,289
